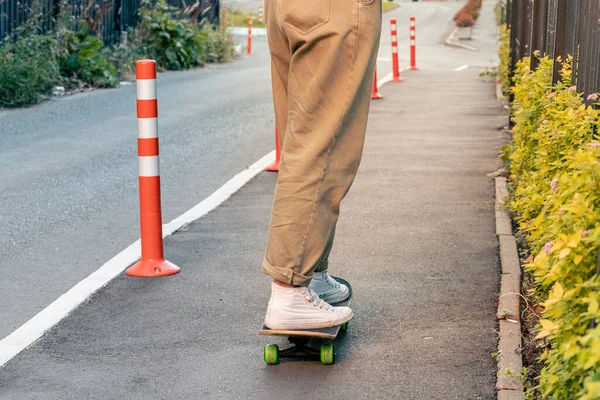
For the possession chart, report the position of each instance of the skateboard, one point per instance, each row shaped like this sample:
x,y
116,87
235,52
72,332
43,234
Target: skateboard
x,y
303,340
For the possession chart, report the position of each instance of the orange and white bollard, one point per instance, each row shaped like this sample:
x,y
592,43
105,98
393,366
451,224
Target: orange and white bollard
x,y
249,35
395,64
153,262
260,14
413,45
275,166
375,95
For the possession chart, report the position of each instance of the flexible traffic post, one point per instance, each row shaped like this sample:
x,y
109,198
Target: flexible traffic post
x,y
249,35
260,14
375,95
413,45
274,167
395,64
152,262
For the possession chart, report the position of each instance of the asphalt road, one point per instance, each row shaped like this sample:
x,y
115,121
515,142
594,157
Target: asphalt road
x,y
68,191
416,239
68,169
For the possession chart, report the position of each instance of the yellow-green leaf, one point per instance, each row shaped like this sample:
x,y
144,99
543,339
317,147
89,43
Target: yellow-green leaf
x,y
558,291
564,252
578,259
593,307
575,239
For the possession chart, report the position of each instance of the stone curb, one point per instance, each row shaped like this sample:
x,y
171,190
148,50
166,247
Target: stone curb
x,y
510,362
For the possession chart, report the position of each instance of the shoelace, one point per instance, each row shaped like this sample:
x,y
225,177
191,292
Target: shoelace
x,y
316,301
330,281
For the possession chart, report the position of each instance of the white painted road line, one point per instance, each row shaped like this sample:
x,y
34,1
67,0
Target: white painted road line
x,y
34,329
387,78
383,59
461,68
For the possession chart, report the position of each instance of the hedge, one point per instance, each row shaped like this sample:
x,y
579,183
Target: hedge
x,y
554,164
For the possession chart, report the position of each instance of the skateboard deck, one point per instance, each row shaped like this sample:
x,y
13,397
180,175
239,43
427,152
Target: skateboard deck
x,y
301,339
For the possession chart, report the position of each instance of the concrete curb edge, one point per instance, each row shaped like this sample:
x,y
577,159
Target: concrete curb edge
x,y
510,363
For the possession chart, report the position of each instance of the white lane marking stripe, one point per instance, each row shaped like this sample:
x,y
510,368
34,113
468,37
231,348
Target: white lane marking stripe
x,y
146,89
34,329
385,79
148,166
147,128
383,59
461,68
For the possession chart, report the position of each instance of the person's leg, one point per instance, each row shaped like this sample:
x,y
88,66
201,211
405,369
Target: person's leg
x,y
323,57
333,45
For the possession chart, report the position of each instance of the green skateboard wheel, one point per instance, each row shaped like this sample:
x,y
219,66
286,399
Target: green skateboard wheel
x,y
344,327
271,354
327,354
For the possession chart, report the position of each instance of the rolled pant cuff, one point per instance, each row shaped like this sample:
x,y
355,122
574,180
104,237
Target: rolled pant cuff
x,y
285,275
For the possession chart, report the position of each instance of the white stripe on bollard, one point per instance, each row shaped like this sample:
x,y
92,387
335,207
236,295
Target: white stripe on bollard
x,y
147,128
146,89
148,166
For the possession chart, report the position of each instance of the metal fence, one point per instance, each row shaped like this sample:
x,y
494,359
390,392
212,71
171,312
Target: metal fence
x,y
558,28
114,16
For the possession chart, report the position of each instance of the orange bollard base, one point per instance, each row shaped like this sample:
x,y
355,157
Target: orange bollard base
x,y
413,68
398,79
273,167
376,96
149,268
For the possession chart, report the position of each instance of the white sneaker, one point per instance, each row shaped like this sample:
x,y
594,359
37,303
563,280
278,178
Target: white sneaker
x,y
328,288
301,308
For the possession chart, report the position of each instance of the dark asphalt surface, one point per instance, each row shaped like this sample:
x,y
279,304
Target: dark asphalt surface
x,y
416,240
68,169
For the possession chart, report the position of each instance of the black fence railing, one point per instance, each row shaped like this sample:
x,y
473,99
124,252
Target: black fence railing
x,y
558,28
114,16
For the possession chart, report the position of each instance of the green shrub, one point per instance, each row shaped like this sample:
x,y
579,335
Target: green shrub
x,y
82,61
504,55
28,70
168,38
555,172
215,46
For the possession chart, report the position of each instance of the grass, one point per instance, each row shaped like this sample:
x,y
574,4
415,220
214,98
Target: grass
x,y
239,19
389,5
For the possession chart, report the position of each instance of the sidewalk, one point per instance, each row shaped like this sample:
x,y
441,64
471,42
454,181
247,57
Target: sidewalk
x,y
416,240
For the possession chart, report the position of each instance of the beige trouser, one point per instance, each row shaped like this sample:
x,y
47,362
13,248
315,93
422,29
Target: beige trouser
x,y
322,59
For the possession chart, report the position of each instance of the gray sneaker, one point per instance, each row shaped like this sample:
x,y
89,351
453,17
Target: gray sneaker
x,y
328,288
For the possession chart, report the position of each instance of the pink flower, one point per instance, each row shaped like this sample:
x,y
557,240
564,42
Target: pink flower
x,y
593,97
585,233
554,185
573,88
536,53
548,247
529,259
545,121
594,145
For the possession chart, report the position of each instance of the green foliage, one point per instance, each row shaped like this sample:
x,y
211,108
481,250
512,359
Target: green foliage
x,y
215,46
504,55
28,70
81,59
555,172
32,64
240,19
168,38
